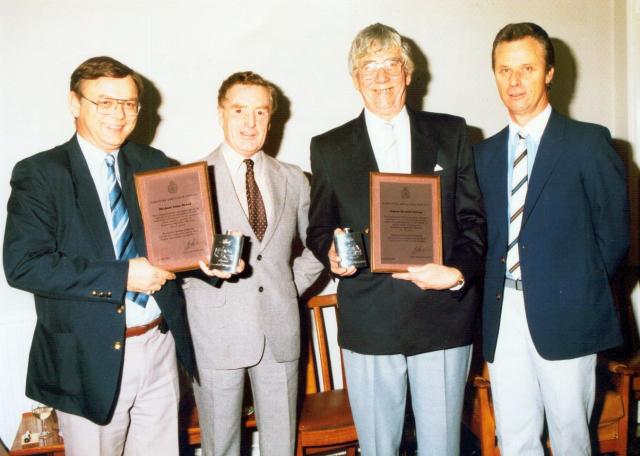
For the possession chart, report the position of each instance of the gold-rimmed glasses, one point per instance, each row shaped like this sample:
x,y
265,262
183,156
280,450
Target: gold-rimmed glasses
x,y
107,105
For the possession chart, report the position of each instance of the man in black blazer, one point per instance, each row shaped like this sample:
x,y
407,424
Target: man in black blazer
x,y
390,329
108,322
557,218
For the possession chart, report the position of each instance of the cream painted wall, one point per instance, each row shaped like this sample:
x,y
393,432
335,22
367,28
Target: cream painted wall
x,y
186,48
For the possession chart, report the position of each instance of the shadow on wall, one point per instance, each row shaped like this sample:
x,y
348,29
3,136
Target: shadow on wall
x,y
419,87
563,86
278,123
149,117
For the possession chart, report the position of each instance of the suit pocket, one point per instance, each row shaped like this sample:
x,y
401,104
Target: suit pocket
x,y
57,367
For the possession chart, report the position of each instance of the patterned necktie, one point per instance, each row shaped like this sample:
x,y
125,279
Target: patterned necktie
x,y
519,179
257,213
124,244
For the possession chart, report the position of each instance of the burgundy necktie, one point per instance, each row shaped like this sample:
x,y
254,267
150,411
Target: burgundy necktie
x,y
257,213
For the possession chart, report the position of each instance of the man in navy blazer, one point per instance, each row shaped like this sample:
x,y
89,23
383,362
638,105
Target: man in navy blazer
x,y
108,323
557,220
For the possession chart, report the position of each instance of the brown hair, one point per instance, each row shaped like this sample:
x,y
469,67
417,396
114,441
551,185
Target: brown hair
x,y
103,67
248,78
514,32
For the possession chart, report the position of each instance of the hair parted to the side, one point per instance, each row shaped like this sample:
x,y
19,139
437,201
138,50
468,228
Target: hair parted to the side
x,y
382,36
248,78
518,31
103,67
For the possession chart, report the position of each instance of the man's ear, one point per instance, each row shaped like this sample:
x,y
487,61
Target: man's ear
x,y
74,104
221,117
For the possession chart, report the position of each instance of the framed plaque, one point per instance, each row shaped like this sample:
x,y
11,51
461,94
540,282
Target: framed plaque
x,y
406,221
177,214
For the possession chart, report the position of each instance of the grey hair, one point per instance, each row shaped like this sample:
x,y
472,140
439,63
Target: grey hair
x,y
383,36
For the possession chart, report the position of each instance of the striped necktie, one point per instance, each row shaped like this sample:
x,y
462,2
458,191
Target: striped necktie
x,y
124,244
519,179
255,204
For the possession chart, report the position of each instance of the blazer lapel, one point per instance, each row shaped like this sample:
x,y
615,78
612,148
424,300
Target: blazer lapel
x,y
230,214
424,146
128,166
277,182
88,202
546,159
497,173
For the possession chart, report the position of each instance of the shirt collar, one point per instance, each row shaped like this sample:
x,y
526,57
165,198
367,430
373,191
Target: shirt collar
x,y
534,128
235,160
375,122
93,154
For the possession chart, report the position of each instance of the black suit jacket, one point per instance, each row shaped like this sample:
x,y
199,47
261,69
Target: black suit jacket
x,y
575,232
378,314
57,246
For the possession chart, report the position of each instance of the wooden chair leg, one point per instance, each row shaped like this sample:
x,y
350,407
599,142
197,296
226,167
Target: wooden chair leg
x,y
351,451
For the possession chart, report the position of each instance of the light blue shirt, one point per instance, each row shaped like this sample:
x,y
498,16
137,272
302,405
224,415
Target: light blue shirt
x,y
136,315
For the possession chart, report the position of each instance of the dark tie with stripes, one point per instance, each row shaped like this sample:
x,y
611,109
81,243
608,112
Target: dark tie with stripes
x,y
125,246
519,180
257,213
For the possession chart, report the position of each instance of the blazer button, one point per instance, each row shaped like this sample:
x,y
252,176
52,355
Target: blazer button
x,y
94,293
108,294
101,294
498,297
261,289
259,257
117,345
120,309
503,260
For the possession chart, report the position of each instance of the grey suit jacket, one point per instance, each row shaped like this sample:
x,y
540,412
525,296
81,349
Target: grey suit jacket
x,y
231,320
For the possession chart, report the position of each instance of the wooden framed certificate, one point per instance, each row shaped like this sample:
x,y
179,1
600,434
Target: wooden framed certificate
x,y
406,221
177,214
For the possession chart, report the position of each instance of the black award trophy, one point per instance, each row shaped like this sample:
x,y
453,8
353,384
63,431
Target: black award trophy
x,y
226,252
350,249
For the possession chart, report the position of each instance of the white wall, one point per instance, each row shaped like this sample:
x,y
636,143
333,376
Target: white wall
x,y
186,48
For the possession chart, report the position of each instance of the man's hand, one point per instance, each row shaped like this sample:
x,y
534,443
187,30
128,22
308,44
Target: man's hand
x,y
218,273
432,276
146,278
334,260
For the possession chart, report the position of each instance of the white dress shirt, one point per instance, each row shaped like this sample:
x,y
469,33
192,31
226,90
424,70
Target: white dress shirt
x,y
378,136
136,315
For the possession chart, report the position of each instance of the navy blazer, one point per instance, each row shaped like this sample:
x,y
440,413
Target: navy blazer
x,y
378,314
574,234
57,246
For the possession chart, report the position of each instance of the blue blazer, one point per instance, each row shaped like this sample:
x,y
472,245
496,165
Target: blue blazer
x,y
574,234
57,246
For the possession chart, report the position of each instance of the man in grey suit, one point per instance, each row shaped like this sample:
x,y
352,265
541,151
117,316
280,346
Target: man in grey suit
x,y
251,324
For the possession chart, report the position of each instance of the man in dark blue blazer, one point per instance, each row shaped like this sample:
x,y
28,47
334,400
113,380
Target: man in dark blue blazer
x,y
412,328
108,322
557,220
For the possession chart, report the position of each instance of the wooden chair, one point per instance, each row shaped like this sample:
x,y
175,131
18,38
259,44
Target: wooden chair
x,y
325,421
612,408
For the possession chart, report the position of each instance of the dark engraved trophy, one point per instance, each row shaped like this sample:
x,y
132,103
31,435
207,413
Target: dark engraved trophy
x,y
226,252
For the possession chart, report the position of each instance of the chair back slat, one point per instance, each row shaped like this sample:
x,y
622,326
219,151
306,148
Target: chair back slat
x,y
316,305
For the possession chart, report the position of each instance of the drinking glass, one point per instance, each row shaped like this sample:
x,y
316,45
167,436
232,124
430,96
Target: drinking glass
x,y
42,412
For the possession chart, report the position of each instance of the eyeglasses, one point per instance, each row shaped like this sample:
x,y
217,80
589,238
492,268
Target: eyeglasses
x,y
393,67
105,106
